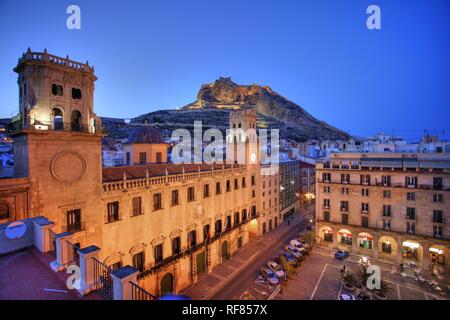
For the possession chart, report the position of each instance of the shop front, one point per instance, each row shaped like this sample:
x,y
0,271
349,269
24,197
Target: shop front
x,y
411,251
365,241
345,237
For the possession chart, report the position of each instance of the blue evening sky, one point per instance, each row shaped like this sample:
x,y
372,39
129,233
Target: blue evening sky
x,y
155,54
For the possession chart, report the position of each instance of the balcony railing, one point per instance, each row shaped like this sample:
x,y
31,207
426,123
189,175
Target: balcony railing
x,y
63,126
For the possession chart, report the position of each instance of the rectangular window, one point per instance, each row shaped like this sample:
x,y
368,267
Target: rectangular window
x,y
236,184
176,246
113,211
236,218
218,227
386,181
386,224
206,191
326,189
386,194
253,181
365,207
326,177
192,239
411,213
437,232
228,186
158,251
206,232
345,178
365,222
74,220
345,191
158,157
142,157
326,215
365,179
137,206
365,192
437,183
437,216
128,160
386,210
410,196
190,194
326,203
411,227
228,224
175,198
437,198
344,218
218,188
344,206
243,182
138,261
157,201
411,182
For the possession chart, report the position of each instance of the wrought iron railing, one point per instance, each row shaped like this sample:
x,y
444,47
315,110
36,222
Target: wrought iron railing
x,y
139,293
102,280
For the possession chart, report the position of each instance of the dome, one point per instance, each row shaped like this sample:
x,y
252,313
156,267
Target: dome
x,y
145,134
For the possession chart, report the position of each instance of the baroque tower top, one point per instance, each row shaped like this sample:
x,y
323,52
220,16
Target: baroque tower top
x,y
56,93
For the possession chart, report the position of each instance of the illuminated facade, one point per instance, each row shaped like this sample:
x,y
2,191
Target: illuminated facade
x,y
391,206
171,222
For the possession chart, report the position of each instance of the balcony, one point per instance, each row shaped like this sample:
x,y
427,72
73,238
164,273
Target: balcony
x,y
365,211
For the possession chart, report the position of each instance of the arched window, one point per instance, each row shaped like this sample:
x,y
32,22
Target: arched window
x,y
58,120
4,211
76,120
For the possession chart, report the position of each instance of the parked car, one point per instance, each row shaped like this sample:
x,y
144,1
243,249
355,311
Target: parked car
x,y
341,255
269,275
277,268
302,247
294,251
347,296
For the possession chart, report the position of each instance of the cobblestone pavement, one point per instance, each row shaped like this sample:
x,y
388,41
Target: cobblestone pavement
x,y
232,278
320,279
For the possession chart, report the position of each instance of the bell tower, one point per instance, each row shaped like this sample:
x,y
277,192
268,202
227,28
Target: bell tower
x,y
242,138
58,142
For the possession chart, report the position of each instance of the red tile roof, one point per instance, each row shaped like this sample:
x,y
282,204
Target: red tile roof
x,y
154,170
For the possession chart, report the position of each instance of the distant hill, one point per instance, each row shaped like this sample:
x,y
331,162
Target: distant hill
x,y
215,100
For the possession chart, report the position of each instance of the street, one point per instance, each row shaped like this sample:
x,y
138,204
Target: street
x,y
245,280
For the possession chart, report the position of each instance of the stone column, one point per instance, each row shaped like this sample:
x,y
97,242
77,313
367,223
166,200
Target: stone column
x,y
123,289
42,234
399,257
375,241
62,251
87,281
426,260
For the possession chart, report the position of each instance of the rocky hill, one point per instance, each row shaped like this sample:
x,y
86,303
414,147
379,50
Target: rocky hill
x,y
215,100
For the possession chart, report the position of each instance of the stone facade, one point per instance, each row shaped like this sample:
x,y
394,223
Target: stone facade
x,y
170,221
392,206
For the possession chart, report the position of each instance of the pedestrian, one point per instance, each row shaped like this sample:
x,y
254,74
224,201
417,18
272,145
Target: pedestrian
x,y
289,222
